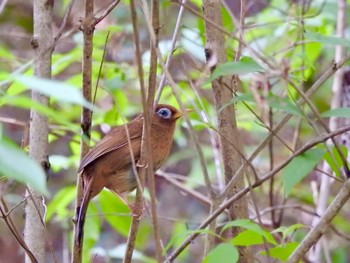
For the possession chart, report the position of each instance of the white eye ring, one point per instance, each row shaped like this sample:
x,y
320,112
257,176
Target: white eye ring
x,y
164,113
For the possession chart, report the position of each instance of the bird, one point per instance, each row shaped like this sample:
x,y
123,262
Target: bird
x,y
109,164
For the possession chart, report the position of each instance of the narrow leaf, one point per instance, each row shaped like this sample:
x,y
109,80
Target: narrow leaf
x,y
56,89
299,167
329,40
337,112
15,164
336,162
240,97
284,104
244,66
28,103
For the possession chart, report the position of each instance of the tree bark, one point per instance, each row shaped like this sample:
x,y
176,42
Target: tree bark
x,y
228,134
34,231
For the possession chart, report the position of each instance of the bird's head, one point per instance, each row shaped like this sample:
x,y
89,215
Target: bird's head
x,y
166,113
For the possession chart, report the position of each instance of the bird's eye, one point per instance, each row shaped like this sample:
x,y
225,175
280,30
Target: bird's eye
x,y
164,113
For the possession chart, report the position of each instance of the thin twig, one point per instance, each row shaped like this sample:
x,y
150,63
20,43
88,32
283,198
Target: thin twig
x,y
173,43
5,215
109,9
100,69
64,22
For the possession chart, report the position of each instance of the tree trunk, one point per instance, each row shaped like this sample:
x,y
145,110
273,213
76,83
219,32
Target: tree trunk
x,y
34,231
226,118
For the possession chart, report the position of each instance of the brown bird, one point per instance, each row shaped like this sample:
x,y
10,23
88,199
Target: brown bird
x,y
109,164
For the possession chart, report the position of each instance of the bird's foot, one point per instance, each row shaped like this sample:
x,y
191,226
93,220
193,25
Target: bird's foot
x,y
137,210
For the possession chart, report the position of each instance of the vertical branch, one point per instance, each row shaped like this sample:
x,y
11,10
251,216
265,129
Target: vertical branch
x,y
148,111
335,103
34,232
145,163
139,191
88,27
150,99
222,88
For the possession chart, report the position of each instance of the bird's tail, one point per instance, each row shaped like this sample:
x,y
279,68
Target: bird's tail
x,y
80,218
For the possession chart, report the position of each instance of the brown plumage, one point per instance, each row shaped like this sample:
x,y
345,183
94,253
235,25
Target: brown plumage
x,y
109,163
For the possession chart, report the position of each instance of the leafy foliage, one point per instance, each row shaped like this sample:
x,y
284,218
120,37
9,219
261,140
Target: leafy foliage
x,y
299,167
284,45
15,164
222,253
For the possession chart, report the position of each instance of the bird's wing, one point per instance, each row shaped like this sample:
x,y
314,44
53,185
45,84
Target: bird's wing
x,y
113,140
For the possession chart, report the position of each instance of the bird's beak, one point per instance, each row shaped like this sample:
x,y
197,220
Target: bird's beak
x,y
179,114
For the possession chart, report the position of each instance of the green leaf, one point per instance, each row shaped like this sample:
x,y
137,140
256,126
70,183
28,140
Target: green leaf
x,y
299,167
329,40
175,238
254,229
15,164
27,103
92,231
56,89
336,162
59,204
250,238
116,212
337,112
283,104
282,252
287,230
240,97
177,230
223,253
244,66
